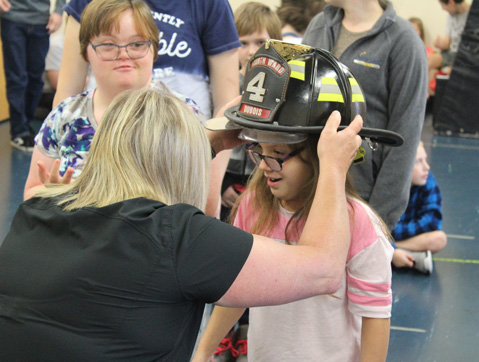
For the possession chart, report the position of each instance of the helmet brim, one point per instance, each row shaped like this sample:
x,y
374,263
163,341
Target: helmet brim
x,y
289,133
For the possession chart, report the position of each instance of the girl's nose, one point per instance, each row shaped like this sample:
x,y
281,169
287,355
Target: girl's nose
x,y
123,54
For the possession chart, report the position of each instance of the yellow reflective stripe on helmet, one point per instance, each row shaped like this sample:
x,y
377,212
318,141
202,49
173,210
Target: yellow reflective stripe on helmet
x,y
330,91
357,98
357,94
297,69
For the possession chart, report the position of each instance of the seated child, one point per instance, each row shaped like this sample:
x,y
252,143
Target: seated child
x,y
419,229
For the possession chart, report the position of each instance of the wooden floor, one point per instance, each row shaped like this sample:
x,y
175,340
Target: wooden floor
x,y
435,318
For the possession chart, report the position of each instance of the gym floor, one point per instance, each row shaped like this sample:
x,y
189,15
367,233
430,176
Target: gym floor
x,y
435,317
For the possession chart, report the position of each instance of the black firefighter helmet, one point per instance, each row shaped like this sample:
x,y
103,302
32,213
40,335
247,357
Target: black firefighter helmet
x,y
290,91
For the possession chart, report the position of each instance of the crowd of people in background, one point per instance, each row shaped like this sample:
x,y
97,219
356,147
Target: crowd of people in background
x,y
118,66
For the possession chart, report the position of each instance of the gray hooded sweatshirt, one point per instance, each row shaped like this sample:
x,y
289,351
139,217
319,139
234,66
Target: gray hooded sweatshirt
x,y
390,63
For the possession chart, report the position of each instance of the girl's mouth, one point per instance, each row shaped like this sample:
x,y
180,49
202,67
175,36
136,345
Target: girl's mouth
x,y
124,67
273,181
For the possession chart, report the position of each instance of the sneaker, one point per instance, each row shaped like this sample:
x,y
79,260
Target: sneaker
x,y
422,261
24,143
225,352
241,344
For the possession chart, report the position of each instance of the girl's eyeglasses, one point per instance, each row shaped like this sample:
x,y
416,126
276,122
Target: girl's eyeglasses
x,y
274,163
135,50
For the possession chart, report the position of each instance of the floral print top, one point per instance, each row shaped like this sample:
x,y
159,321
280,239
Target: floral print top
x,y
68,130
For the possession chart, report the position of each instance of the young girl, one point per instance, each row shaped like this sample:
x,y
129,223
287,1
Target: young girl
x,y
349,325
119,39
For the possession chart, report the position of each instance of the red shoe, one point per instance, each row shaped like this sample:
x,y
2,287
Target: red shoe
x,y
225,352
241,344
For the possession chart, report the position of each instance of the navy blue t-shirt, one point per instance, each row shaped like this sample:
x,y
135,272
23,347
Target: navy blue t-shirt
x,y
190,30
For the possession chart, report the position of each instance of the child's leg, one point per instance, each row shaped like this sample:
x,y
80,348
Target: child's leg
x,y
433,241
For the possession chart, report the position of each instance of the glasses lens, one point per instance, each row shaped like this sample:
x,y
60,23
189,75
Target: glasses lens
x,y
272,164
107,51
138,49
255,157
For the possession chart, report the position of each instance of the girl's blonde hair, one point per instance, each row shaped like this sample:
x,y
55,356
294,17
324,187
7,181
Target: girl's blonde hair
x,y
266,205
420,25
102,17
255,16
149,144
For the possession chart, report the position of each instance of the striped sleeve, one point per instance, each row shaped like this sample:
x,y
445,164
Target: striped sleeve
x,y
368,269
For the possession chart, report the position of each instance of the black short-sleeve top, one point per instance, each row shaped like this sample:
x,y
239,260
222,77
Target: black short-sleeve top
x,y
125,282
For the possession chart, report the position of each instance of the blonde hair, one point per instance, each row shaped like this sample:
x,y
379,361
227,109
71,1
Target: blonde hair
x,y
420,25
255,16
268,206
102,16
149,144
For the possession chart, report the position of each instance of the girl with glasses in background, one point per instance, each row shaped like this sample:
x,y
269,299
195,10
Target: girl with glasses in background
x,y
119,39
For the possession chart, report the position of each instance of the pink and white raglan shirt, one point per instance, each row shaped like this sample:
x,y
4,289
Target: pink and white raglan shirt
x,y
327,327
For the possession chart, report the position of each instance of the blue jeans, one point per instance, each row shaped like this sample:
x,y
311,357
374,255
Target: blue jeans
x,y
25,47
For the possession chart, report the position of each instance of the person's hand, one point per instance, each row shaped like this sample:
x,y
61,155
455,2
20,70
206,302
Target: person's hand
x,y
402,259
5,6
442,42
225,139
338,149
53,177
229,197
54,22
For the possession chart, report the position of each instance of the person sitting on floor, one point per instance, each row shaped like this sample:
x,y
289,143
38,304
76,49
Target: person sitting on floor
x,y
419,230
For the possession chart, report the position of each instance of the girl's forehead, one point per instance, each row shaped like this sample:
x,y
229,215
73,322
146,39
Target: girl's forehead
x,y
271,146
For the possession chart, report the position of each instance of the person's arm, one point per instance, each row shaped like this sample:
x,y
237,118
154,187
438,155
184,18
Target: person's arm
x,y
53,78
224,80
318,262
442,42
39,173
374,339
54,22
223,69
73,69
217,172
221,321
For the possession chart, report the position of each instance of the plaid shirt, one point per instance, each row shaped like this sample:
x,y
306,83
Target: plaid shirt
x,y
423,213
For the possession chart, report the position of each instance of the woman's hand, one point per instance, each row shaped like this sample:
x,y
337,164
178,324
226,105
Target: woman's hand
x,y
225,139
338,149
